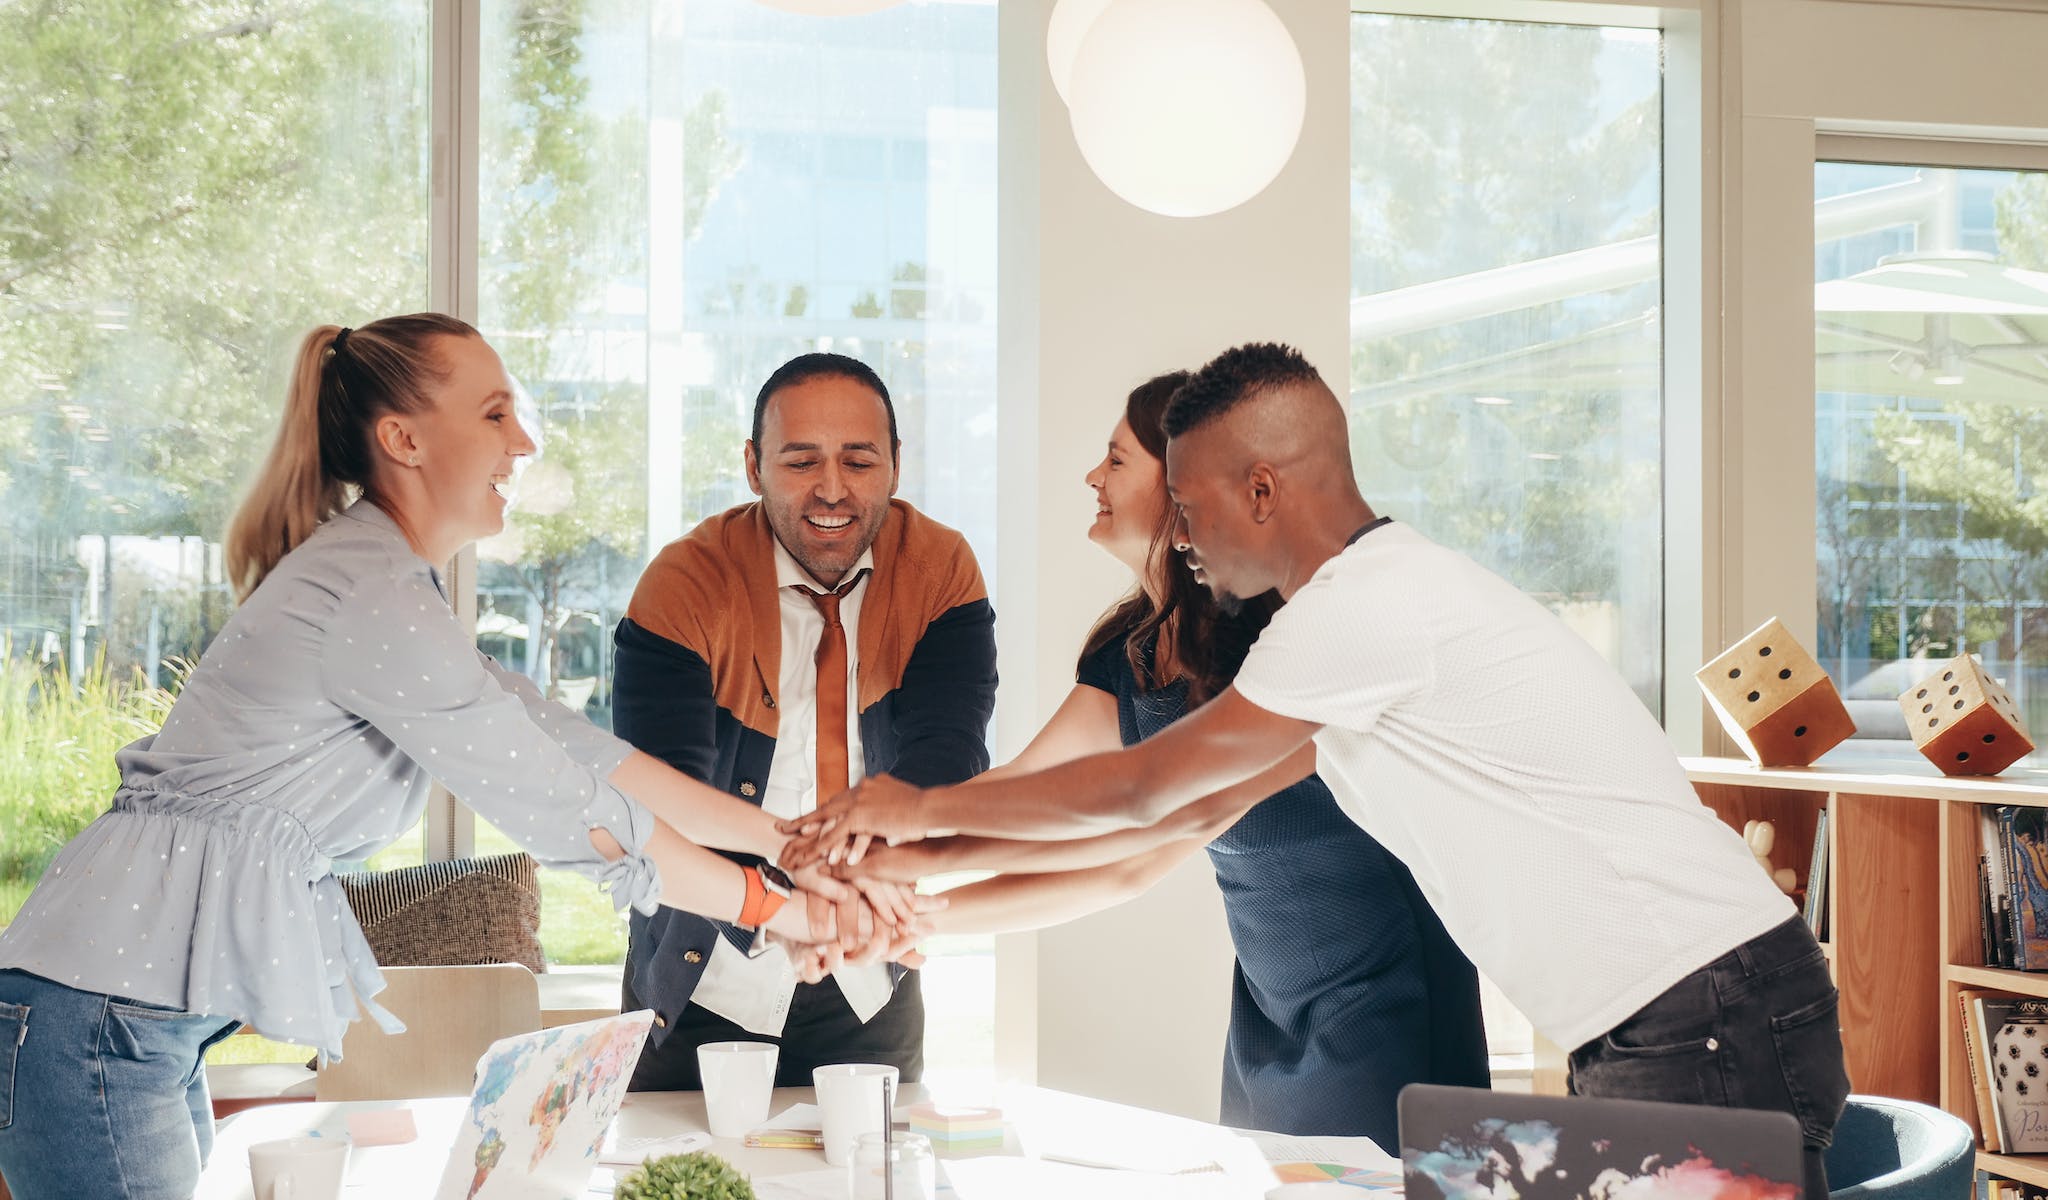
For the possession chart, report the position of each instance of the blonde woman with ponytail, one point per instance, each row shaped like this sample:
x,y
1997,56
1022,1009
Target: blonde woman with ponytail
x,y
204,898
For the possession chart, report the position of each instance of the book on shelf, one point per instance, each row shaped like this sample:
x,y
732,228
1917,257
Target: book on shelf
x,y
2010,1034
1978,1051
1816,907
2028,854
1987,943
1994,832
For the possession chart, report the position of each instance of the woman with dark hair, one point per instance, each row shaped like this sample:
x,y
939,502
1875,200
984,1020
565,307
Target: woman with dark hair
x,y
1347,987
204,897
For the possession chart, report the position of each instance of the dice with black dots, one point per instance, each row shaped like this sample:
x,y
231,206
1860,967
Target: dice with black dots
x,y
1963,721
1775,700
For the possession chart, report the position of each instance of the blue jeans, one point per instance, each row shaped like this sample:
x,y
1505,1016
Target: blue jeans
x,y
1756,1028
101,1096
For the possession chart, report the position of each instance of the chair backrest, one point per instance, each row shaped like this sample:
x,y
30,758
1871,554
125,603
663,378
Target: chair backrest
x,y
451,1015
1887,1149
450,911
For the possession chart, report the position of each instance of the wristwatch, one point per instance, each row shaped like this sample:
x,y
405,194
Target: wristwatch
x,y
768,888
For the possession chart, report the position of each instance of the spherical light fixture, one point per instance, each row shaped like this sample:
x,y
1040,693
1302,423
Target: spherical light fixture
x,y
1187,107
1071,21
830,8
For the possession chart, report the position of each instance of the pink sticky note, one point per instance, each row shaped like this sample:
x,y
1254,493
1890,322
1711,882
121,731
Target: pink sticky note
x,y
382,1127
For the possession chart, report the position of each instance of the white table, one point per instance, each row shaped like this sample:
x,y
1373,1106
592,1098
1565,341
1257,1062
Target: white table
x,y
372,1170
1088,1127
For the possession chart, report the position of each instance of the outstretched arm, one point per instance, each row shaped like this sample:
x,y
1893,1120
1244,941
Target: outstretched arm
x,y
1199,823
1014,903
1084,724
1220,745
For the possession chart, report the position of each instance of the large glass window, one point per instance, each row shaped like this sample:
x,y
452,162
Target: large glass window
x,y
1506,386
186,191
1506,348
1931,427
675,200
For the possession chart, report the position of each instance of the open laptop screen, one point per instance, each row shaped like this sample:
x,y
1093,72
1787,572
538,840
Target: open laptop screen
x,y
539,1110
1462,1143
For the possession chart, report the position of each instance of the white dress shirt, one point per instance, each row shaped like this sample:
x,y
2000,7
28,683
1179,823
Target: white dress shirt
x,y
755,993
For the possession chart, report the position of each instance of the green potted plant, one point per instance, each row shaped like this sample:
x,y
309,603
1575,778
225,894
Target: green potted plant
x,y
700,1175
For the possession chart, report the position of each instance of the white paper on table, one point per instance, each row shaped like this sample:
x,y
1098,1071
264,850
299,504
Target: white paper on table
x,y
631,1152
998,1178
800,1118
806,1118
1098,1133
1360,1152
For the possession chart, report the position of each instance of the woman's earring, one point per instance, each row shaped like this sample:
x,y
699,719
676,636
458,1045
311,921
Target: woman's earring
x,y
415,460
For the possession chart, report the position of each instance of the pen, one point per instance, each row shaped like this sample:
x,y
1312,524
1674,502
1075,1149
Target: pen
x,y
888,1139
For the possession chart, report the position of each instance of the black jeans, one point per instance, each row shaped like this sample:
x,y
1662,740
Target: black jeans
x,y
1755,1028
821,1030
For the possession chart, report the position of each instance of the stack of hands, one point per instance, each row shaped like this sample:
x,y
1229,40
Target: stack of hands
x,y
862,904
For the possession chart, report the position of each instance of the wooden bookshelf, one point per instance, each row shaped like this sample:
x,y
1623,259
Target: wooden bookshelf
x,y
1903,912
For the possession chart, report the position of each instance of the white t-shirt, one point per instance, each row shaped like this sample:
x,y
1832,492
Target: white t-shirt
x,y
1539,806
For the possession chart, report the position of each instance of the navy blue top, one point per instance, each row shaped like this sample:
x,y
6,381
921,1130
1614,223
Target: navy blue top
x,y
1347,987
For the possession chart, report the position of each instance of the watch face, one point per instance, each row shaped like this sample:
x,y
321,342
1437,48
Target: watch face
x,y
777,879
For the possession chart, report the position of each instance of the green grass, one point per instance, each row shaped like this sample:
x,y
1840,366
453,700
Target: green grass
x,y
57,742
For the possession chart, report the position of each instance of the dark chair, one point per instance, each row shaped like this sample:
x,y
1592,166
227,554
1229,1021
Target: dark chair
x,y
1888,1149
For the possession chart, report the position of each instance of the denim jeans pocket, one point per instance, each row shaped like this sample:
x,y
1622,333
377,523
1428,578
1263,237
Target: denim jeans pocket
x,y
1684,1073
13,1032
1681,1021
162,1039
1669,1050
1808,1041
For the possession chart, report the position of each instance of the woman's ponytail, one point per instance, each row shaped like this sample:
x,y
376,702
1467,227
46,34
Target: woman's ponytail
x,y
292,494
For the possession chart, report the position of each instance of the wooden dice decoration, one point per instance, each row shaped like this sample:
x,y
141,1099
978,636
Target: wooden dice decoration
x,y
1964,722
1776,702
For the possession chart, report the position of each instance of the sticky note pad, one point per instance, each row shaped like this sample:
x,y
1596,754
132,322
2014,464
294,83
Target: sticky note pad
x,y
382,1127
954,1127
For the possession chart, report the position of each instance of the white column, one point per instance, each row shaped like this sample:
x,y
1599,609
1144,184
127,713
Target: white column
x,y
1098,296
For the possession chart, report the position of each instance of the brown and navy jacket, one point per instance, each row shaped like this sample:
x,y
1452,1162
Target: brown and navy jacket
x,y
699,660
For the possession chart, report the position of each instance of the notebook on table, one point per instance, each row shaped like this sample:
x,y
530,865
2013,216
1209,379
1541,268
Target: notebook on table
x,y
1462,1143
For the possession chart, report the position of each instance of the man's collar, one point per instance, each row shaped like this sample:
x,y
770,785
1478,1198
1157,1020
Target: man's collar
x,y
790,573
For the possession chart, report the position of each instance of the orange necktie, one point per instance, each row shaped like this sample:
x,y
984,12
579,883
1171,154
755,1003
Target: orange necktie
x,y
832,765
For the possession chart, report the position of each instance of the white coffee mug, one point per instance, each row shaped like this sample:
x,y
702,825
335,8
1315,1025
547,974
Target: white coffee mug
x,y
850,1104
299,1168
738,1078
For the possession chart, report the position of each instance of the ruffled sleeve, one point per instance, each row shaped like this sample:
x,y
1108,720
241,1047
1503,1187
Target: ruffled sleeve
x,y
394,656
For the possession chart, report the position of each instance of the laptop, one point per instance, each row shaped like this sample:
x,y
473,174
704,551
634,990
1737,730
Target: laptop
x,y
539,1110
1460,1143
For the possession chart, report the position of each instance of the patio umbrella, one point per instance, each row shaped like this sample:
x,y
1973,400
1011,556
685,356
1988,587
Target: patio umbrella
x,y
1943,327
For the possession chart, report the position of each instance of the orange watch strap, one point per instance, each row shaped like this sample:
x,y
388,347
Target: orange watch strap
x,y
757,892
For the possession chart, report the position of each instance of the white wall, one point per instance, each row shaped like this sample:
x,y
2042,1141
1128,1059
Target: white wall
x,y
1097,297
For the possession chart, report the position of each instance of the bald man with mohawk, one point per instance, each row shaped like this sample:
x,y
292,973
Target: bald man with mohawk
x,y
1460,723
